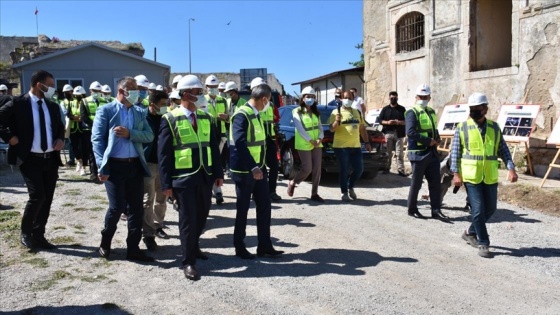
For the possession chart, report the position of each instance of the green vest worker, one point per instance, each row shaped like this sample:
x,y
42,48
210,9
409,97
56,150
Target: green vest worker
x,y
189,163
474,153
143,85
73,114
88,107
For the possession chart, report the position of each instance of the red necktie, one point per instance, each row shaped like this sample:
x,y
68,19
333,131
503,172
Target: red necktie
x,y
193,122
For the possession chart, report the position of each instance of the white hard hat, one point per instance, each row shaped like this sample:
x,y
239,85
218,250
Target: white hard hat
x,y
257,81
159,88
141,80
3,87
95,86
222,85
423,90
211,80
189,82
66,88
106,89
307,90
152,86
230,86
174,95
79,90
177,78
477,99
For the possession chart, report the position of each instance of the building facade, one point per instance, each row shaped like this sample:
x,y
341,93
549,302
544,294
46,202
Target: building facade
x,y
326,85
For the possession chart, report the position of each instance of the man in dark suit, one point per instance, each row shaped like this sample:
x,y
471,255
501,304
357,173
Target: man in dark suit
x,y
32,126
248,171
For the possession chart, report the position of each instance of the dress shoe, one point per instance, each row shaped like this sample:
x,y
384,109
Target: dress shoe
x,y
104,252
150,243
161,234
416,214
403,174
243,253
291,188
269,252
274,197
437,214
27,241
470,239
41,242
191,273
200,255
139,256
352,194
317,198
219,198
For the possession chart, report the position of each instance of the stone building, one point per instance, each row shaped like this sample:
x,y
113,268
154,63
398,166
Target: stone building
x,y
508,49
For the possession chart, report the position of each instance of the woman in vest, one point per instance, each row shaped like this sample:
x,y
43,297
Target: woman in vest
x,y
309,133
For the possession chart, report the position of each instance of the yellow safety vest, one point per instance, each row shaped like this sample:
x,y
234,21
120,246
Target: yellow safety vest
x,y
218,108
428,123
479,159
185,139
74,111
311,123
267,118
255,135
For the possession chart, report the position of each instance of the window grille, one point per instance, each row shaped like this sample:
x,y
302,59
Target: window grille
x,y
410,32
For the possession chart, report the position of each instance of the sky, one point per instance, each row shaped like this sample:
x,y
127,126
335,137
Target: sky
x,y
295,40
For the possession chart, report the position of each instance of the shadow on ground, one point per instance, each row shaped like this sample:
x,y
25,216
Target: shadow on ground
x,y
106,308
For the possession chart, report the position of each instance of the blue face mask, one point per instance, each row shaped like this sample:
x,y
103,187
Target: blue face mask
x,y
309,101
143,94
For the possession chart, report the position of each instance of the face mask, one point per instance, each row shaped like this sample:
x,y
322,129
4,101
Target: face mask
x,y
132,97
475,114
346,102
142,94
95,95
422,103
162,110
266,106
107,97
201,102
68,96
309,101
213,91
337,95
394,101
78,97
50,91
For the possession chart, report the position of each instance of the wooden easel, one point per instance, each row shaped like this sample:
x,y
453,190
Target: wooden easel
x,y
552,164
445,144
515,145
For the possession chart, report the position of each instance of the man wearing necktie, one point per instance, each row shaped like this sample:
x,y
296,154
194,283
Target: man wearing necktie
x,y
31,125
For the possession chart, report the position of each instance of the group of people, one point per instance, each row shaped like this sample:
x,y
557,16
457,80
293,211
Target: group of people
x,y
150,146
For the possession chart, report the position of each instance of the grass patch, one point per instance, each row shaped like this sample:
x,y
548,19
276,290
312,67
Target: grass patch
x,y
68,205
67,288
78,227
59,184
93,279
59,227
66,240
76,177
97,209
80,209
73,192
80,232
49,283
10,226
96,197
37,262
104,263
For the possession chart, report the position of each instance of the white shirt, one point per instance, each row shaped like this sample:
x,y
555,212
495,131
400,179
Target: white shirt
x,y
36,146
188,113
357,104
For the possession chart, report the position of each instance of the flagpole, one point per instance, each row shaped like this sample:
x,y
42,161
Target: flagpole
x,y
37,24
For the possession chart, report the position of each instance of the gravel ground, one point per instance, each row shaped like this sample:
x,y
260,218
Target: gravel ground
x,y
365,257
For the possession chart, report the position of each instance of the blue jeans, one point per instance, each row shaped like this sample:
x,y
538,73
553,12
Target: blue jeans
x,y
484,200
349,157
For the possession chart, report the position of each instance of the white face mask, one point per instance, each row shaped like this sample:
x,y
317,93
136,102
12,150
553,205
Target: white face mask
x,y
95,95
50,91
212,91
201,102
162,110
132,97
422,103
347,103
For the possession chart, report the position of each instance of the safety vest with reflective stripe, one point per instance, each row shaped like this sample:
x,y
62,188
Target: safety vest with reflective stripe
x,y
218,108
255,135
479,159
267,118
311,123
185,139
92,106
74,111
427,127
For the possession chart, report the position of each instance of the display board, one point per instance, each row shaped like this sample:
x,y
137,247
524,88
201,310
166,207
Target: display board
x,y
451,116
555,134
517,121
371,116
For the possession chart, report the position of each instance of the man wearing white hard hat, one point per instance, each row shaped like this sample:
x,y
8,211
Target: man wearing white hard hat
x,y
4,97
106,90
233,98
76,136
64,105
88,108
221,88
143,86
174,100
189,164
3,89
217,107
423,140
474,154
159,87
175,81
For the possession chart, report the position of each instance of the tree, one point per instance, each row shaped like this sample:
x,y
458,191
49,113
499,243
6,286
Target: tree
x,y
361,62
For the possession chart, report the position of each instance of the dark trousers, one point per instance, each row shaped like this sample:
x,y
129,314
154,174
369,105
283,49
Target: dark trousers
x,y
349,157
429,168
245,186
40,177
194,205
88,151
272,163
76,144
125,187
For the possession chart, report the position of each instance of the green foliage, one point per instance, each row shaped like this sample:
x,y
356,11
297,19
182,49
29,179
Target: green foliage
x,y
359,63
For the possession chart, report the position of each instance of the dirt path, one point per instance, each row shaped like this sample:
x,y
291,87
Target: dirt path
x,y
361,258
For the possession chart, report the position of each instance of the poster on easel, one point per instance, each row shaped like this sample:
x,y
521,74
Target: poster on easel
x,y
372,115
517,121
555,134
450,117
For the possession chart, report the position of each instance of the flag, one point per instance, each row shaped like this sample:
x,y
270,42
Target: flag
x,y
36,11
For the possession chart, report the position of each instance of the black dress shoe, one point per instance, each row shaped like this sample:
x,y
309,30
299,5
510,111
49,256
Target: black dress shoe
x,y
416,214
41,242
243,253
139,256
104,252
269,252
191,273
150,243
437,214
200,255
27,241
161,234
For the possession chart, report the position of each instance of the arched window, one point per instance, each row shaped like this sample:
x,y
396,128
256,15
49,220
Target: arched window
x,y
410,32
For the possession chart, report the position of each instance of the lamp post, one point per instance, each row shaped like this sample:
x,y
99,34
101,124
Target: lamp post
x,y
190,19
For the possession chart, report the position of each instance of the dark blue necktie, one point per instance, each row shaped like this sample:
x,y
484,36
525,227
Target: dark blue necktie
x,y
43,126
